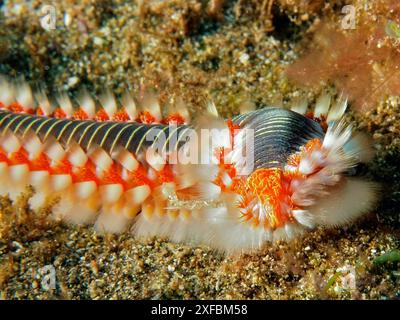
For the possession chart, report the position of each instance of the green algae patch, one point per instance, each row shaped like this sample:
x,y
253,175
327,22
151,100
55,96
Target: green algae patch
x,y
388,257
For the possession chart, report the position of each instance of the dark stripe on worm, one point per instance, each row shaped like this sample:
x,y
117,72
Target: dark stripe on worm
x,y
92,137
277,134
162,134
20,123
4,117
29,124
51,127
131,136
112,132
12,123
63,129
170,136
85,127
41,126
118,136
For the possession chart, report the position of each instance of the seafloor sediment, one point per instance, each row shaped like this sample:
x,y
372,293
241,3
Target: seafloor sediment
x,y
228,51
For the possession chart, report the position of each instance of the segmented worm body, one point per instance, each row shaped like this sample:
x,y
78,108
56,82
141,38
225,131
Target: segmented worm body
x,y
236,184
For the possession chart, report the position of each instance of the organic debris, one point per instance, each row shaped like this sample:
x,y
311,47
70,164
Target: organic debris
x,y
363,63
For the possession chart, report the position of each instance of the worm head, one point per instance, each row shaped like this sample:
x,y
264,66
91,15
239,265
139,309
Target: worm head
x,y
300,178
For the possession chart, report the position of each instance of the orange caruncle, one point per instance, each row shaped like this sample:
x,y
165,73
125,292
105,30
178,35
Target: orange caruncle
x,y
40,163
269,186
80,114
85,173
16,107
19,157
62,167
321,119
112,175
121,115
165,175
3,157
174,118
102,115
39,111
145,117
59,113
314,144
139,178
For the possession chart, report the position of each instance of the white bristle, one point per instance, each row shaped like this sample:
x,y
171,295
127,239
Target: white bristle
x,y
76,211
185,180
242,154
3,169
155,160
152,174
150,103
169,107
165,191
76,155
322,105
345,203
109,103
24,95
100,158
43,101
111,193
7,91
181,108
39,179
65,103
10,143
19,172
207,190
111,221
184,214
306,166
130,106
131,211
87,103
137,195
360,146
33,146
85,189
300,105
60,182
38,200
337,135
291,230
54,150
226,179
212,109
126,159
304,217
192,173
337,110
218,134
147,209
